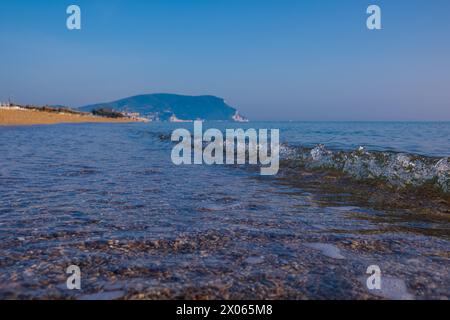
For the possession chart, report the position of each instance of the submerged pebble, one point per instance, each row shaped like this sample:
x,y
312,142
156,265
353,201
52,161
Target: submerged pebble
x,y
326,249
109,295
254,260
392,288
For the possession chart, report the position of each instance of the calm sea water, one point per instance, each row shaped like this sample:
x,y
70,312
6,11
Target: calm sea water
x,y
107,198
424,138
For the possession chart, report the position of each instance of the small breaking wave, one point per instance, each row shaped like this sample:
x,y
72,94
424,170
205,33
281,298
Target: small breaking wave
x,y
397,169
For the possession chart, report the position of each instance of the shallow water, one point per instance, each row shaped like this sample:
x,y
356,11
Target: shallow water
x,y
108,199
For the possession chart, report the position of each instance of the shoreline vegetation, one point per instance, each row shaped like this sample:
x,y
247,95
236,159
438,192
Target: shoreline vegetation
x,y
16,115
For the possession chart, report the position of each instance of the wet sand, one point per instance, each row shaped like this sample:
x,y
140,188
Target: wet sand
x,y
20,117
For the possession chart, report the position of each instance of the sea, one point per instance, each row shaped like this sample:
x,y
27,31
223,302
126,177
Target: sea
x,y
108,199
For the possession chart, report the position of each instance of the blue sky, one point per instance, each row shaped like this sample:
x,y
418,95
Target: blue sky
x,y
273,60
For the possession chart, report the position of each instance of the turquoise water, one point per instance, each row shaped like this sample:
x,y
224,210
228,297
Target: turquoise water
x,y
108,198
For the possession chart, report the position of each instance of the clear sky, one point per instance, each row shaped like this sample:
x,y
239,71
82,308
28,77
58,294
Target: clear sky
x,y
271,59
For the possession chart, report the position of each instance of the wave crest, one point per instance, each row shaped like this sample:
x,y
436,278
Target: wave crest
x,y
398,169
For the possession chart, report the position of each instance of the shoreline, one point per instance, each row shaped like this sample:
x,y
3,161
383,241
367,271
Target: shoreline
x,y
23,117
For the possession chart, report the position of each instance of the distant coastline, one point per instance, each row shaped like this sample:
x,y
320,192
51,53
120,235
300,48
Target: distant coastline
x,y
143,108
17,116
172,107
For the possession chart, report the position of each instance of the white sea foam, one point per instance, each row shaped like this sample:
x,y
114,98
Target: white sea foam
x,y
398,169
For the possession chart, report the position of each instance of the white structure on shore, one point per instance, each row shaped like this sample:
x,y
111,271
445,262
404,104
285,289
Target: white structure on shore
x,y
174,118
10,106
238,118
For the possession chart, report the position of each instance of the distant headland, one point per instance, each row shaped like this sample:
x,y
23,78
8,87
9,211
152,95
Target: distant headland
x,y
171,107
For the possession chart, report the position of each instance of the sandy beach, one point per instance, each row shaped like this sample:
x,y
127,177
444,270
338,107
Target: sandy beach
x,y
19,117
